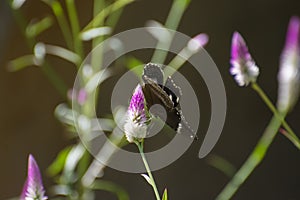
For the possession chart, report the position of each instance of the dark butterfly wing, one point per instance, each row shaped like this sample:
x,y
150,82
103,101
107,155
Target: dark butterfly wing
x,y
154,72
167,95
174,92
154,94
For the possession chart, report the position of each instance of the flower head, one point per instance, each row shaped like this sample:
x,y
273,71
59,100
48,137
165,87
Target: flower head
x,y
289,75
198,42
33,188
243,67
136,122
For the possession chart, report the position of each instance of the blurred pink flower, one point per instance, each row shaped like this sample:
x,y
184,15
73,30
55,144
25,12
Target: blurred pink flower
x,y
243,67
289,75
33,188
197,42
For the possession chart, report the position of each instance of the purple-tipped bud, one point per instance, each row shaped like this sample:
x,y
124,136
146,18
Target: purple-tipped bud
x,y
198,42
33,188
80,97
243,67
288,76
136,122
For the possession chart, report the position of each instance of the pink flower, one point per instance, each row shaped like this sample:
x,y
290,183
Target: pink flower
x,y
199,41
289,74
33,188
243,67
135,126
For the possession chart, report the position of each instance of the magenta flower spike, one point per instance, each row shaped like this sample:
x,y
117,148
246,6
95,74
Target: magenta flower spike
x,y
289,75
33,188
243,67
197,42
136,121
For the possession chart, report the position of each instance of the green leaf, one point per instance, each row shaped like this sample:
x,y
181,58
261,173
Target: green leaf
x,y
58,11
58,164
222,164
64,114
22,62
165,195
113,18
62,53
16,4
99,18
162,34
61,191
95,32
35,28
97,79
184,3
73,158
110,187
147,178
135,65
75,27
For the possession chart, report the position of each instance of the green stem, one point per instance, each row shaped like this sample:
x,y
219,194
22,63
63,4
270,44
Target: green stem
x,y
290,137
53,77
100,15
110,187
140,146
48,71
75,27
173,19
253,160
113,18
62,22
290,133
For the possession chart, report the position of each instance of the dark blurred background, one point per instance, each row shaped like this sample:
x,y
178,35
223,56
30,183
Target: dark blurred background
x,y
28,100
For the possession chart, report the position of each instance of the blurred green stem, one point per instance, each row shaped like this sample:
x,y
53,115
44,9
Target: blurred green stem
x,y
252,161
62,21
49,72
173,19
105,11
140,146
56,81
260,149
290,133
110,187
72,12
87,108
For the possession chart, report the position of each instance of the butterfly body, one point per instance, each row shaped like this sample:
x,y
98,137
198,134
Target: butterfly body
x,y
166,95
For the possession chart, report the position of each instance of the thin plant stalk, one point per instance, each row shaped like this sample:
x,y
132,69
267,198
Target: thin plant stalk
x,y
253,160
290,133
87,109
48,71
73,17
172,22
62,22
54,79
290,137
96,168
140,146
113,18
100,15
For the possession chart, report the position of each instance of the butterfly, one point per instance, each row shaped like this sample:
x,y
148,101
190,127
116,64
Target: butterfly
x,y
166,95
